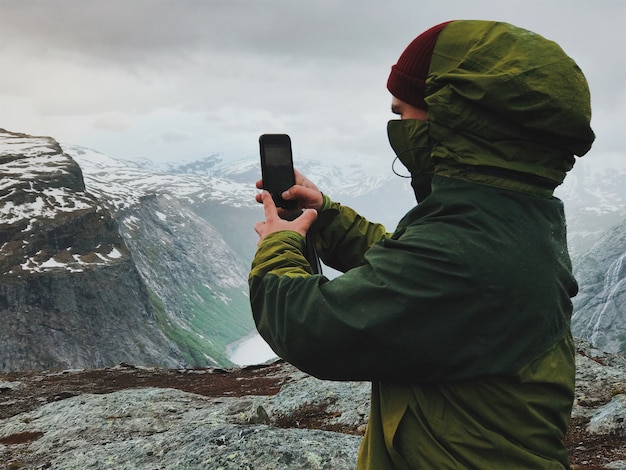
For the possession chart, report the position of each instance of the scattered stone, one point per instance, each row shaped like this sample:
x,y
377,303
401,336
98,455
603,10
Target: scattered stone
x,y
610,418
270,417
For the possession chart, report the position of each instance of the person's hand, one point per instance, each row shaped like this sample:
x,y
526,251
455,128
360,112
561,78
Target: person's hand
x,y
304,192
273,222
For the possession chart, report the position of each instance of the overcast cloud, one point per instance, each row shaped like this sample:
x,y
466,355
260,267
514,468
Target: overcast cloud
x,y
179,80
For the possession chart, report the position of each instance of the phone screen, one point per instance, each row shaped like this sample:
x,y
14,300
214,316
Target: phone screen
x,y
277,167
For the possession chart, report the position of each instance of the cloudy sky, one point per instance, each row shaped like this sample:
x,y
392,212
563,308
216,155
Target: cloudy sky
x,y
180,80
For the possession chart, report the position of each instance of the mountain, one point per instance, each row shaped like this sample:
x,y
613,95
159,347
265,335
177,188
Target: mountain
x,y
109,265
170,222
600,306
70,293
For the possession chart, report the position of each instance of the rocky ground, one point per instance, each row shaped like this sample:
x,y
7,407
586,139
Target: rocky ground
x,y
262,417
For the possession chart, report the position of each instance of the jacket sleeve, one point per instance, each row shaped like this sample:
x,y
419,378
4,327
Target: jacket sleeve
x,y
343,236
367,324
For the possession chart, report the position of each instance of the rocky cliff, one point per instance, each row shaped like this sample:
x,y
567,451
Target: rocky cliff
x,y
595,201
70,295
264,417
109,271
600,306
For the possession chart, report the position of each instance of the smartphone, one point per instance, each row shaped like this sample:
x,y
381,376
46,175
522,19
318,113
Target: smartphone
x,y
277,167
278,176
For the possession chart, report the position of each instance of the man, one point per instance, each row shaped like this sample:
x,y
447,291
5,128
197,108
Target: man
x,y
461,317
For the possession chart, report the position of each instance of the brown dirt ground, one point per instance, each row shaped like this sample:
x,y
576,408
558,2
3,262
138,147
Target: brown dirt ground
x,y
586,451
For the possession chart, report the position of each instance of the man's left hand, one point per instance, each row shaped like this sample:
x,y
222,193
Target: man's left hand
x,y
273,222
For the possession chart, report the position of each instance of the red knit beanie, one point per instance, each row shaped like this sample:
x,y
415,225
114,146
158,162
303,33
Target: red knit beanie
x,y
407,80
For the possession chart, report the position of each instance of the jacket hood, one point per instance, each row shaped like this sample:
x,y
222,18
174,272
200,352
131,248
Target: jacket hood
x,y
506,107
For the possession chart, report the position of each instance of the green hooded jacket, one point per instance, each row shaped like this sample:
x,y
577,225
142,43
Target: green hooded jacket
x,y
461,316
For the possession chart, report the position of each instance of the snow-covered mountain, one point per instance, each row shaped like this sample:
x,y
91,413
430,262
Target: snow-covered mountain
x,y
121,184
70,293
595,203
109,264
